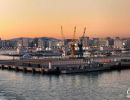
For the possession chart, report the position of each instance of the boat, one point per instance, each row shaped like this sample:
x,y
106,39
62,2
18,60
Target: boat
x,y
95,66
77,66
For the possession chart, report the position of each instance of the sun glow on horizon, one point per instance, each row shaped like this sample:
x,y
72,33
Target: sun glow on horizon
x,y
39,18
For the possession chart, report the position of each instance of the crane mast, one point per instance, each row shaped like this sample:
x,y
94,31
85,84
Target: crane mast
x,y
64,49
80,44
63,37
73,52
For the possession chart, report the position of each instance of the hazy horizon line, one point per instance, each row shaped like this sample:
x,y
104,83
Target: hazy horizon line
x,y
64,38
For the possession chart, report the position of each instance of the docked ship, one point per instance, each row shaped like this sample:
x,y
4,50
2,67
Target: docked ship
x,y
86,68
76,66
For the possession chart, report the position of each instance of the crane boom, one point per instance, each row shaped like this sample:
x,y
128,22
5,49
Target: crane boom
x,y
84,32
63,37
64,46
73,52
74,34
80,44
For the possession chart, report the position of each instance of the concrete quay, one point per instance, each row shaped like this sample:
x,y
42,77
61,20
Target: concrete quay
x,y
55,66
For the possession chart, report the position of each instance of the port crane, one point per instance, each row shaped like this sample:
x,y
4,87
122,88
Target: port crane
x,y
72,46
80,44
64,49
73,52
63,37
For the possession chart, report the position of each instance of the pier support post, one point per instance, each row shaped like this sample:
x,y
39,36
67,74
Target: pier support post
x,y
33,70
25,69
2,67
9,67
16,68
42,71
119,66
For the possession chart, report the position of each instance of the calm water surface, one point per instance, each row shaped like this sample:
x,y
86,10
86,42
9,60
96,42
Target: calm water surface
x,y
92,86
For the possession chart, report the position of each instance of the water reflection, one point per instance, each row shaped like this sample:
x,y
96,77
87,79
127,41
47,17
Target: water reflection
x,y
91,86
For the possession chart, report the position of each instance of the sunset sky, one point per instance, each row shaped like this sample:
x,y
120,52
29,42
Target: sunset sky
x,y
35,18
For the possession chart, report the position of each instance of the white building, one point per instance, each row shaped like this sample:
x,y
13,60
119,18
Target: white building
x,y
41,43
103,42
23,42
118,43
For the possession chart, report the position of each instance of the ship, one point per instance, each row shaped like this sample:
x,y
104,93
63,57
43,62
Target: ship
x,y
76,66
87,68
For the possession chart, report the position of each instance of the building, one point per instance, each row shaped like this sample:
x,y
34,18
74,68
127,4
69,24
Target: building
x,y
41,43
23,42
110,42
94,42
127,43
118,43
103,42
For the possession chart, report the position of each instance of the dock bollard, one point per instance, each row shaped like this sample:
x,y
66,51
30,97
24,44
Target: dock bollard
x,y
42,71
24,69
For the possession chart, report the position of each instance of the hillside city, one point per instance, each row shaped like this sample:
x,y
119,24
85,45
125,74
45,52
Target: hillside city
x,y
51,43
45,46
46,42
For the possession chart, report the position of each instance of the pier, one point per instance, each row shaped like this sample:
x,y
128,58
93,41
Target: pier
x,y
56,66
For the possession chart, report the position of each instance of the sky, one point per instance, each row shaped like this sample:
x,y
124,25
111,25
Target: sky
x,y
36,18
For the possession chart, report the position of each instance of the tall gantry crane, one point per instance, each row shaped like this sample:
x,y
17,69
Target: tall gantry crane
x,y
64,51
80,44
63,37
73,52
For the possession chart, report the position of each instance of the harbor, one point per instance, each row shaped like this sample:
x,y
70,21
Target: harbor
x,y
64,49
45,55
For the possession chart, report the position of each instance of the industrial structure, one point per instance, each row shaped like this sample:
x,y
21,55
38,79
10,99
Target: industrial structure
x,y
80,44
